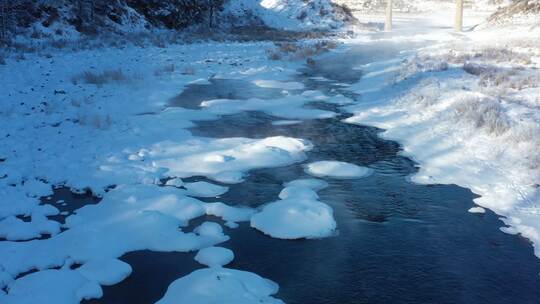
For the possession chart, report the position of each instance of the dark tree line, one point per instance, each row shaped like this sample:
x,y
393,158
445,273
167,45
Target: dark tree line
x,y
90,16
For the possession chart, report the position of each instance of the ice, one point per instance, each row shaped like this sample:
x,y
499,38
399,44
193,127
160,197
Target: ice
x,y
231,215
477,210
205,189
311,183
211,230
224,159
214,256
275,84
52,286
175,182
105,272
221,285
299,214
286,122
288,107
336,169
14,229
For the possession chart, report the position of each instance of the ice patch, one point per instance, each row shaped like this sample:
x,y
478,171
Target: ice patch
x,y
175,182
311,183
106,272
336,169
285,122
289,107
204,189
52,286
231,215
299,214
214,256
275,84
477,210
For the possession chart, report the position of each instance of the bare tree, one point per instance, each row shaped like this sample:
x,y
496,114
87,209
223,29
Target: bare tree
x,y
213,7
458,25
9,12
388,23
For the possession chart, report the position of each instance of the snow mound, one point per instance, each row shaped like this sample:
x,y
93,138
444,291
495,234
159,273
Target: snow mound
x,y
299,214
336,169
311,183
477,210
204,189
214,256
231,215
221,285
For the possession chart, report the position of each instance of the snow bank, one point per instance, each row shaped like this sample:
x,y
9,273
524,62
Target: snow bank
x,y
474,123
299,214
287,14
336,169
221,285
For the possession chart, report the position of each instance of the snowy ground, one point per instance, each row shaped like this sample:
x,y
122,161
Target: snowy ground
x,y
100,120
467,109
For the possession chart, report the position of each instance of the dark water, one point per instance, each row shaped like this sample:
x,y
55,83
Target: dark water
x,y
398,242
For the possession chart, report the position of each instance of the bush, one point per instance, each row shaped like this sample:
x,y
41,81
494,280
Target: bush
x,y
99,79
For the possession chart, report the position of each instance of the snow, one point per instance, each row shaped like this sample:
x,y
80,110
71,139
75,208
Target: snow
x,y
214,256
231,215
336,169
477,210
460,127
286,14
205,189
299,214
105,272
288,107
466,109
52,286
274,84
286,122
221,285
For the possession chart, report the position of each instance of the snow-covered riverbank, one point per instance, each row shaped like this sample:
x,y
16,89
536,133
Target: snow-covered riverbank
x,y
101,120
467,109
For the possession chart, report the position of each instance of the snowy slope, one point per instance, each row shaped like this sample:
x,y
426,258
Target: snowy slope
x,y
288,14
468,110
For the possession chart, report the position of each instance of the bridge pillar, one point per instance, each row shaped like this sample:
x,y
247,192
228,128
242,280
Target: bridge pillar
x,y
388,23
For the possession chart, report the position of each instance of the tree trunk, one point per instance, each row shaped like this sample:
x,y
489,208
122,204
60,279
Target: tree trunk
x,y
388,23
458,25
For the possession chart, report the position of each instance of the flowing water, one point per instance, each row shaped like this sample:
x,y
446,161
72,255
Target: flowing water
x,y
398,242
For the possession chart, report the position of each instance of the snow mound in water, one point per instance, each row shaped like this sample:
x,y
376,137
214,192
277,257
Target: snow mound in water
x,y
214,256
299,214
221,285
275,84
477,210
204,189
224,160
336,169
52,286
311,183
231,215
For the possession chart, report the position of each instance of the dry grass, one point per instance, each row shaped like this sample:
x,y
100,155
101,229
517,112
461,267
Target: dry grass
x,y
165,70
298,51
99,79
482,113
